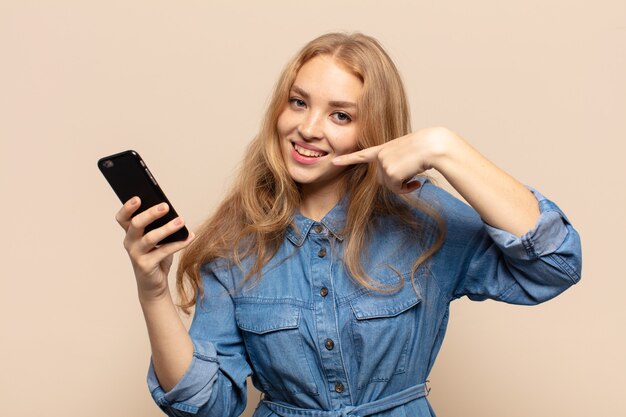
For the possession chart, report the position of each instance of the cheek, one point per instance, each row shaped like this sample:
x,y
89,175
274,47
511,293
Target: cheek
x,y
346,142
286,122
280,125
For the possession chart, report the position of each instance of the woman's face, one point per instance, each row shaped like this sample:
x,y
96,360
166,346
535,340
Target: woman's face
x,y
319,123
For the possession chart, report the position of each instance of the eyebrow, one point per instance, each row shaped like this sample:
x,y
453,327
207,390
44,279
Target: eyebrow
x,y
334,103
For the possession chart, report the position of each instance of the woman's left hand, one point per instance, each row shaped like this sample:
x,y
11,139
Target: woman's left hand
x,y
401,159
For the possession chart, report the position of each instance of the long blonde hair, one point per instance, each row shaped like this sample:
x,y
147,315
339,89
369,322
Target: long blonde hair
x,y
254,216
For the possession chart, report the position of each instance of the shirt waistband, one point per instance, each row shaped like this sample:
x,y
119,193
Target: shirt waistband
x,y
383,404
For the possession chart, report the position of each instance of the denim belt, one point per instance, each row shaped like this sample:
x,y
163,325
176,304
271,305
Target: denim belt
x,y
384,404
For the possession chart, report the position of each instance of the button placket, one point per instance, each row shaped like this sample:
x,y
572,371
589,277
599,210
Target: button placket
x,y
325,316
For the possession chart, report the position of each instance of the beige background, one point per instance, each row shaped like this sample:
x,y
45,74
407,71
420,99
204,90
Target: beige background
x,y
538,86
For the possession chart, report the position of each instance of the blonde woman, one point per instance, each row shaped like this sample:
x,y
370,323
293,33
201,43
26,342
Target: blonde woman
x,y
327,272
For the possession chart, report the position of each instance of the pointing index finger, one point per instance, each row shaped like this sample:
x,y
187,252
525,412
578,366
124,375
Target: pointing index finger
x,y
359,157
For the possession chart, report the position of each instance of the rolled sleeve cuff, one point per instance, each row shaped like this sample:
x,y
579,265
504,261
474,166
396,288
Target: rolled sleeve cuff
x,y
194,388
545,238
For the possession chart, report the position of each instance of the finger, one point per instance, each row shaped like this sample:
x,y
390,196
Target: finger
x,y
359,157
141,220
399,186
393,185
159,254
409,186
124,214
151,239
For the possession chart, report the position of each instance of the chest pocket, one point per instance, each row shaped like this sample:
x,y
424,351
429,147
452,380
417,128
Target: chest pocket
x,y
383,328
275,346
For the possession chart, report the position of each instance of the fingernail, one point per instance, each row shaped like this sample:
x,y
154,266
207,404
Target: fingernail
x,y
162,207
178,221
134,201
337,159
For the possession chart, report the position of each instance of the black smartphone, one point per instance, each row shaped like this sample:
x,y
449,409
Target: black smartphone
x,y
129,176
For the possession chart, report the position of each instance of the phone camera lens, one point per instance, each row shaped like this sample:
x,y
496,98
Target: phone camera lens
x,y
108,163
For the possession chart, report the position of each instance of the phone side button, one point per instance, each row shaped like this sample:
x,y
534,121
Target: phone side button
x,y
151,177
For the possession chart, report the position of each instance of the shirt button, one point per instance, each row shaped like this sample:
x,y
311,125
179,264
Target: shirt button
x,y
339,387
324,291
319,228
329,344
321,253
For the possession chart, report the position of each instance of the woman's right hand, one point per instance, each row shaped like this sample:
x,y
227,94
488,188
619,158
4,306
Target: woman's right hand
x,y
151,263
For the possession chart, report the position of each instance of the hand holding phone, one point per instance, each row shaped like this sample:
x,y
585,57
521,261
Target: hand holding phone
x,y
129,176
149,222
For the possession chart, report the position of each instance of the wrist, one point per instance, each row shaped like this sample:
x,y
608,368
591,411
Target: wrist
x,y
154,296
445,147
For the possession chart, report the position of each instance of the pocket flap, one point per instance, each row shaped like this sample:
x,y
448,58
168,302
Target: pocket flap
x,y
377,305
265,317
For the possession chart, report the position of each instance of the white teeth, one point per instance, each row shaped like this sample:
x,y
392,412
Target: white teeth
x,y
307,152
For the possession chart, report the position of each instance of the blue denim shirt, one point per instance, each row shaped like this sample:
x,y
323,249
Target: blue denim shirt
x,y
318,344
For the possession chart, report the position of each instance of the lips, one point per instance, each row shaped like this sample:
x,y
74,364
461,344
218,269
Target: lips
x,y
308,152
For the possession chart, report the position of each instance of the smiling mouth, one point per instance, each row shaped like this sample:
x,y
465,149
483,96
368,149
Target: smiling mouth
x,y
308,152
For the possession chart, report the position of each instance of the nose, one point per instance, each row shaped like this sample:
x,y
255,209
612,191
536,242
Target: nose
x,y
310,126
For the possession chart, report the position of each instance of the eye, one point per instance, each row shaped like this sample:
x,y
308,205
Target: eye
x,y
342,117
297,102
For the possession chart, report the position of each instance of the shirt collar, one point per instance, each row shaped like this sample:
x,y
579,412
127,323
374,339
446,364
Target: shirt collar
x,y
334,221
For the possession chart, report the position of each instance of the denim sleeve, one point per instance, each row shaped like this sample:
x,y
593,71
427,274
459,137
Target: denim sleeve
x,y
494,264
215,382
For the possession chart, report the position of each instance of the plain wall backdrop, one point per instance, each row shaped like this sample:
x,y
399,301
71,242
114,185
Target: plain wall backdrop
x,y
539,87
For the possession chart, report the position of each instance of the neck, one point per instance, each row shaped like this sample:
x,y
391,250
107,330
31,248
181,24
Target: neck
x,y
317,202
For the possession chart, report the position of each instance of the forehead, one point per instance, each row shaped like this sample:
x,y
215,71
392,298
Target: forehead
x,y
327,78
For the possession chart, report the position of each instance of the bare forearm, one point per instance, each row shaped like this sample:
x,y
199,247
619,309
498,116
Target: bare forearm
x,y
172,349
500,199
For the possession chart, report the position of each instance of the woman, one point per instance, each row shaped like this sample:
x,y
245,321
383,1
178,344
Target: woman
x,y
327,272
